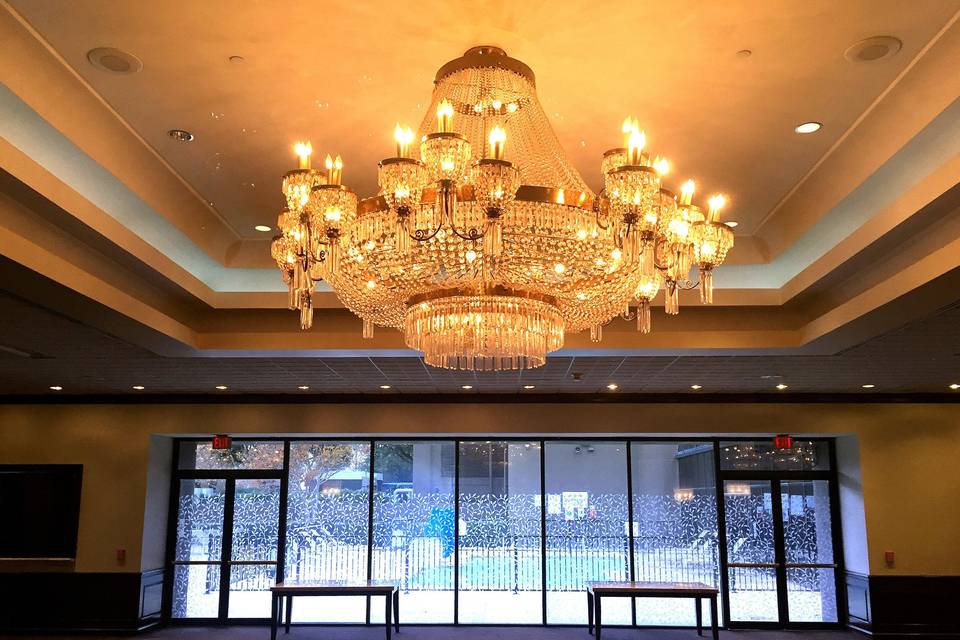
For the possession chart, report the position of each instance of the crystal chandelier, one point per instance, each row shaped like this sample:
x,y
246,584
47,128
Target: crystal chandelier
x,y
488,247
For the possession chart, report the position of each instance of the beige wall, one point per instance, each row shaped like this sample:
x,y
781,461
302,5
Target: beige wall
x,y
909,455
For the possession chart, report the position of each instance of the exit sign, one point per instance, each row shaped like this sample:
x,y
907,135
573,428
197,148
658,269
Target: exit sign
x,y
782,441
221,441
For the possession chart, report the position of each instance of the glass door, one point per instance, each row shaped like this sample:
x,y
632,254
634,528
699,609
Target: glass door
x,y
225,550
780,562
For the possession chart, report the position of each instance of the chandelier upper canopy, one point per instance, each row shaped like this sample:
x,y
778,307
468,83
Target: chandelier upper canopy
x,y
488,247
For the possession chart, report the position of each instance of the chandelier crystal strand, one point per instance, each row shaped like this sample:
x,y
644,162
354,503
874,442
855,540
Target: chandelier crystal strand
x,y
488,248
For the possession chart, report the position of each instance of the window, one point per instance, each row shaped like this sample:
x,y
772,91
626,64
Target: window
x,y
243,454
500,533
413,527
327,515
586,492
674,524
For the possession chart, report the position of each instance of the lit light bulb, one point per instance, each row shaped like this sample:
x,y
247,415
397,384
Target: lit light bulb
x,y
444,115
559,267
371,284
616,254
470,255
686,192
511,107
635,144
497,139
403,137
581,234
303,151
716,203
661,166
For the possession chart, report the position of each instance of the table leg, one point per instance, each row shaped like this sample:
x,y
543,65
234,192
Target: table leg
x,y
274,612
289,613
388,615
699,606
714,621
589,613
396,610
597,615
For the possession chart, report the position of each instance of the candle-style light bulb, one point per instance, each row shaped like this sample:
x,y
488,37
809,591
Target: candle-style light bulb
x,y
403,137
497,139
661,166
444,115
337,170
686,192
635,144
716,202
328,163
303,151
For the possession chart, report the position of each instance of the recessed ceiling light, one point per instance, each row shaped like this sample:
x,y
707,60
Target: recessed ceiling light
x,y
222,387
868,386
114,60
732,223
873,49
744,53
467,386
529,386
236,59
955,386
263,227
781,386
695,387
56,387
303,387
612,386
807,127
139,387
180,135
384,386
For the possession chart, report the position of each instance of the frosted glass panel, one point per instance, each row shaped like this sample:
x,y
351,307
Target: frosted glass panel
x,y
500,516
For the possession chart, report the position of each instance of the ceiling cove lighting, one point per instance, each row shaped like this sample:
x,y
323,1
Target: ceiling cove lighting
x,y
262,227
807,127
479,269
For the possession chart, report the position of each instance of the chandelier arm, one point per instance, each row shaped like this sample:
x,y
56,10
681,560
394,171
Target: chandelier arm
x,y
418,234
471,235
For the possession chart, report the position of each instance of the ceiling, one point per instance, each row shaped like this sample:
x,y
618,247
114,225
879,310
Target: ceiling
x,y
127,257
725,119
41,348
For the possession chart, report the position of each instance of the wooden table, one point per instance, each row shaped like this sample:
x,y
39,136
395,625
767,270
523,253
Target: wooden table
x,y
695,590
289,590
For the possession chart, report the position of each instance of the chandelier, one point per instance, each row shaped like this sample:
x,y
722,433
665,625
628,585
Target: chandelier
x,y
484,245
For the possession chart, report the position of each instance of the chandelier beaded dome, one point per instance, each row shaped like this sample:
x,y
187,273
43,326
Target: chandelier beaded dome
x,y
488,248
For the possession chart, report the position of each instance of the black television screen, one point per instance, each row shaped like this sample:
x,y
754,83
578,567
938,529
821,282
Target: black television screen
x,y
40,507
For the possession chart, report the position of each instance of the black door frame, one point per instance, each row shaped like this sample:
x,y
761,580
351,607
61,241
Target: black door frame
x,y
775,478
230,477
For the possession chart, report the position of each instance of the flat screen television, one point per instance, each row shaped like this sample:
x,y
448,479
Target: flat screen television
x,y
40,510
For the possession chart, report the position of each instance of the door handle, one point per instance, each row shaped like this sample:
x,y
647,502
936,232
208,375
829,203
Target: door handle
x,y
753,565
810,565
